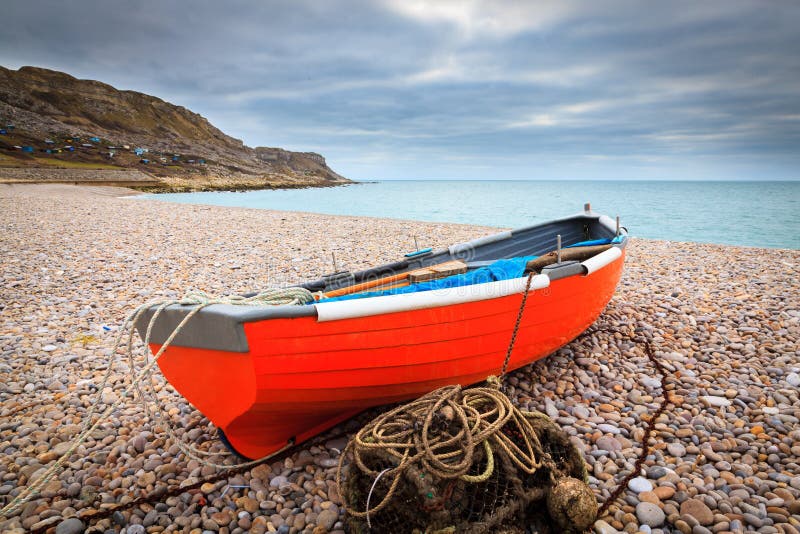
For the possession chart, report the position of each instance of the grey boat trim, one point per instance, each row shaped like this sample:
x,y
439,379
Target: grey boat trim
x,y
220,326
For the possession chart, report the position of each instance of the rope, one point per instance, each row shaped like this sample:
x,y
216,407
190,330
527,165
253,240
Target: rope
x,y
454,423
283,296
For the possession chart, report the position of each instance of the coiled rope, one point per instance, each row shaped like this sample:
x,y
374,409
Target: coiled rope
x,y
126,337
455,422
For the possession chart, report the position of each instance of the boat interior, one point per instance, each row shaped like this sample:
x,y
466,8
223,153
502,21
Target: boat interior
x,y
586,229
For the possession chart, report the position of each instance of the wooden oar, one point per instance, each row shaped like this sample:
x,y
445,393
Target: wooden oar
x,y
567,254
442,269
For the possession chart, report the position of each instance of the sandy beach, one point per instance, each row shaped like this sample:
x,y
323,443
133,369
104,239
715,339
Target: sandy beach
x,y
725,322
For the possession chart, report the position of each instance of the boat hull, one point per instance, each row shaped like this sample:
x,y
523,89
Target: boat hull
x,y
301,376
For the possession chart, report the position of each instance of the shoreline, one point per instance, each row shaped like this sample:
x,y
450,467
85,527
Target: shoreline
x,y
723,319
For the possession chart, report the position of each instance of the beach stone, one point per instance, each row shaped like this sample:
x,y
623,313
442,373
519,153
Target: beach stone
x,y
327,518
712,400
135,529
278,481
581,412
72,525
655,472
649,496
650,514
676,449
793,379
640,484
698,510
601,527
606,443
664,492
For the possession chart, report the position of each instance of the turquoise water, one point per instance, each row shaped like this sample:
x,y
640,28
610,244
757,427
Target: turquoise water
x,y
760,214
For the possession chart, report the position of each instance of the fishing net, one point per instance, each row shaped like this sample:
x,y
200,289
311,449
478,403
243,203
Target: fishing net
x,y
464,461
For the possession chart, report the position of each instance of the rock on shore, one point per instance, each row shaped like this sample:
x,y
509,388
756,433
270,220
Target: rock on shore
x,y
723,320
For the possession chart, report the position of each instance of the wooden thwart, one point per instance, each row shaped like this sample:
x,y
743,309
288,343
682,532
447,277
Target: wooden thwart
x,y
434,272
431,272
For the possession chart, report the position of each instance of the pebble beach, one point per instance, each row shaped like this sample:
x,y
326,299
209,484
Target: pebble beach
x,y
723,320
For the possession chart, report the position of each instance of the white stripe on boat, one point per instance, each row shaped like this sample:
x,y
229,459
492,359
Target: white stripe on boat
x,y
348,309
601,260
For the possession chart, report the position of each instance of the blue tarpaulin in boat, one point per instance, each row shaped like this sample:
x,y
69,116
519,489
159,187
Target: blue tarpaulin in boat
x,y
500,270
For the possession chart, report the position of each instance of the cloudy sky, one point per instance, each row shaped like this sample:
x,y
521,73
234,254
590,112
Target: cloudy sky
x,y
399,89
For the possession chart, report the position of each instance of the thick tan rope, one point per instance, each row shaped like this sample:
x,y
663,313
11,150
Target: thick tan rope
x,y
454,423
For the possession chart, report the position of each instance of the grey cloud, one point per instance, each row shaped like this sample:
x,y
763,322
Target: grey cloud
x,y
564,89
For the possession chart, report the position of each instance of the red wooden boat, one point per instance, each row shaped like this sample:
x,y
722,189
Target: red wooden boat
x,y
275,375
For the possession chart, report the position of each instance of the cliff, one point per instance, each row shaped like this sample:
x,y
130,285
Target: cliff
x,y
89,124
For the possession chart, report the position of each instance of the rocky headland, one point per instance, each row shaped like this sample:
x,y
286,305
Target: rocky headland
x,y
49,119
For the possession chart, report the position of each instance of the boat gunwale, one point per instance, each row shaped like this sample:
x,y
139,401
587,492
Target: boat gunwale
x,y
220,326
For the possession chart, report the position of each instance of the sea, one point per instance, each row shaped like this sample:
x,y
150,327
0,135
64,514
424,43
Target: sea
x,y
756,214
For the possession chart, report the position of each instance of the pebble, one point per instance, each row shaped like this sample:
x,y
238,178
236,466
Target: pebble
x,y
711,400
72,525
676,449
608,444
640,484
698,510
723,453
601,527
650,514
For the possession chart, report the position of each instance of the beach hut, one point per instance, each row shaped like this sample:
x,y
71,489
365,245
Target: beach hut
x,y
27,148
